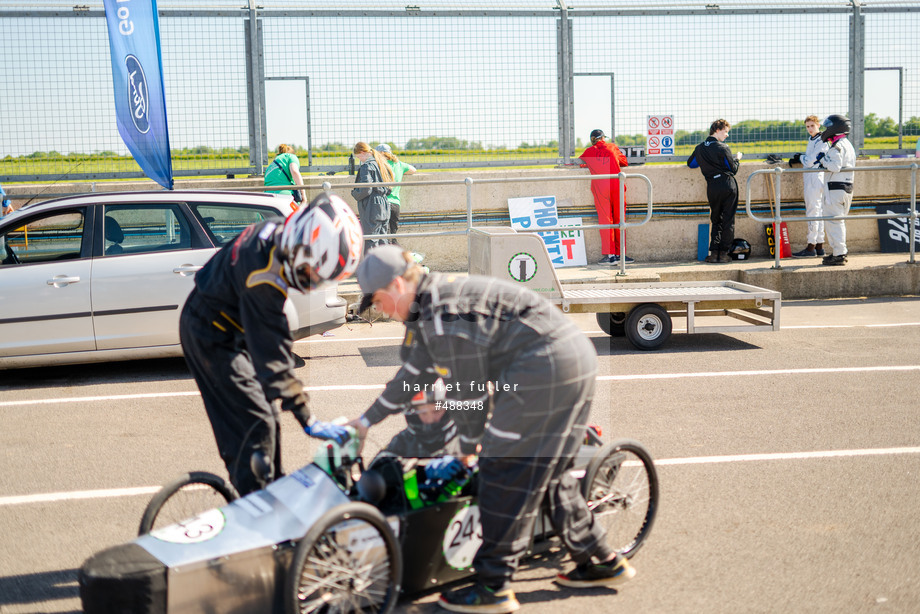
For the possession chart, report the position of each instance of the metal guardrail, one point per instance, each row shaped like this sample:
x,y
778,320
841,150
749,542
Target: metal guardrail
x,y
778,217
469,183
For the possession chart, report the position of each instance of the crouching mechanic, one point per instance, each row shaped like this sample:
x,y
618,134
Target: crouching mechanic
x,y
237,341
473,330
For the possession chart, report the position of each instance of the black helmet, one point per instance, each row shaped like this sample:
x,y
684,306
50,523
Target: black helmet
x,y
834,125
596,135
740,250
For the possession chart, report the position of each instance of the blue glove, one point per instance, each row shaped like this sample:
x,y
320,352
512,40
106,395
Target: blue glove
x,y
819,156
444,468
327,430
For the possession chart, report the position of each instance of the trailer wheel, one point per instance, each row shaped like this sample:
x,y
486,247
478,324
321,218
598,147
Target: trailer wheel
x,y
349,561
614,324
648,326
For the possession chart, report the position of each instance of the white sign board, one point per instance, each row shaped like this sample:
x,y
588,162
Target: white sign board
x,y
534,212
659,138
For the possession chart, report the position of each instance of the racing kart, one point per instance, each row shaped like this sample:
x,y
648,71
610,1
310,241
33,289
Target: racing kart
x,y
336,537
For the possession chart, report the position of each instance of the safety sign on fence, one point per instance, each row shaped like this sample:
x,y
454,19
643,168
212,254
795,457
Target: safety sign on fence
x,y
532,212
659,139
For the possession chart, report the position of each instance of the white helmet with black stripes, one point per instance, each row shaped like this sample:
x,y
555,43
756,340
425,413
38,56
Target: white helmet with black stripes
x,y
320,243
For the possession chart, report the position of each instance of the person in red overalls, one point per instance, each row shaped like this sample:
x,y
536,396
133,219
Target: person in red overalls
x,y
604,158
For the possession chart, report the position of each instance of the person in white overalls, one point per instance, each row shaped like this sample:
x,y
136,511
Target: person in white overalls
x,y
813,190
838,189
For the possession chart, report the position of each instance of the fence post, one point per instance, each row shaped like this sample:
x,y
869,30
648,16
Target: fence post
x,y
566,84
913,211
857,75
255,87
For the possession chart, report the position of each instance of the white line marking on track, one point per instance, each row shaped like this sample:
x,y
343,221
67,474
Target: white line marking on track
x,y
57,497
78,495
356,339
649,376
738,458
600,378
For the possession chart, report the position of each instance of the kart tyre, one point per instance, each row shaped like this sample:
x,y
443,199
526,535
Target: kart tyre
x,y
184,497
648,326
614,324
621,488
328,574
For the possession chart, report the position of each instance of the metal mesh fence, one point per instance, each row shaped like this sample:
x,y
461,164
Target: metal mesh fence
x,y
452,84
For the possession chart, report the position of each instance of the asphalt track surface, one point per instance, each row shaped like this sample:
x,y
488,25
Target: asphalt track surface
x,y
788,461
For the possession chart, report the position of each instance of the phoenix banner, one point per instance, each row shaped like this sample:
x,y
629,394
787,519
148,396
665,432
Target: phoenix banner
x,y
137,73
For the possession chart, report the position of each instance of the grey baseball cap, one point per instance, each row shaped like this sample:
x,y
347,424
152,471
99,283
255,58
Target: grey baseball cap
x,y
384,148
380,266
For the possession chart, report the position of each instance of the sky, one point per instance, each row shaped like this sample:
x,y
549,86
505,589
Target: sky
x,y
483,79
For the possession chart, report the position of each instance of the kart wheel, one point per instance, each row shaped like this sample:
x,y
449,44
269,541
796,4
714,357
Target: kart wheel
x,y
614,324
184,498
648,326
349,561
621,488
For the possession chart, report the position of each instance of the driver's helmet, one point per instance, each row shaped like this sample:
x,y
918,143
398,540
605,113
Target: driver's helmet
x,y
320,243
740,250
834,125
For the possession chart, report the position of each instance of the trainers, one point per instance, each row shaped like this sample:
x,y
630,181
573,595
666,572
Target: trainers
x,y
479,598
613,573
835,260
607,260
819,251
806,253
714,257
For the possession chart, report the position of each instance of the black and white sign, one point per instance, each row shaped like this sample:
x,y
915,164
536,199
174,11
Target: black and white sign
x,y
893,233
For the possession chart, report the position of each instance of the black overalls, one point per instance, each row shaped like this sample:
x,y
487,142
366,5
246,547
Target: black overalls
x,y
718,165
238,346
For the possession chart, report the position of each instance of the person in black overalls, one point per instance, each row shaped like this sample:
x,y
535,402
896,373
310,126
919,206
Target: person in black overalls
x,y
471,331
714,158
237,341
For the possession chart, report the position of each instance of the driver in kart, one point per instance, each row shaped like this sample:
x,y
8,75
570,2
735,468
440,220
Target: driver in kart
x,y
470,331
237,341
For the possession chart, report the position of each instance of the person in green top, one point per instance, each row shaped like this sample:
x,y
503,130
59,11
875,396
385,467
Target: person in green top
x,y
399,169
285,170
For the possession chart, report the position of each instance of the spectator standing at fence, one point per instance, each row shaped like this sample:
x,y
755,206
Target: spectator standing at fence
x,y
604,158
6,205
813,190
714,158
838,187
373,206
476,330
400,169
285,170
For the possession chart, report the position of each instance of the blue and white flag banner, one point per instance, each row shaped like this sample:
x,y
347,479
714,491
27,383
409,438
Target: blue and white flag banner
x,y
137,75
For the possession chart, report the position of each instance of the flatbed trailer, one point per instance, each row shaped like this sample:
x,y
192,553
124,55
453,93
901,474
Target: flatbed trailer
x,y
640,311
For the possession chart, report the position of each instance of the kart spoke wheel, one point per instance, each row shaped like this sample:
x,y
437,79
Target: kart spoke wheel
x,y
621,488
349,561
184,498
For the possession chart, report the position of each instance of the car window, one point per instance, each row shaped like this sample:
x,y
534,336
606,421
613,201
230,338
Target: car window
x,y
141,229
57,236
224,222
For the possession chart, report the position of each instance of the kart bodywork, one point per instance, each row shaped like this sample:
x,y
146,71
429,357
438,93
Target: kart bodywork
x,y
316,540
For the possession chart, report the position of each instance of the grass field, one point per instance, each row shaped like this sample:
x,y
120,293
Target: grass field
x,y
90,167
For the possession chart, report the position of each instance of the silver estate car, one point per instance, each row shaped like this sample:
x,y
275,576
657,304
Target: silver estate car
x,y
103,277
